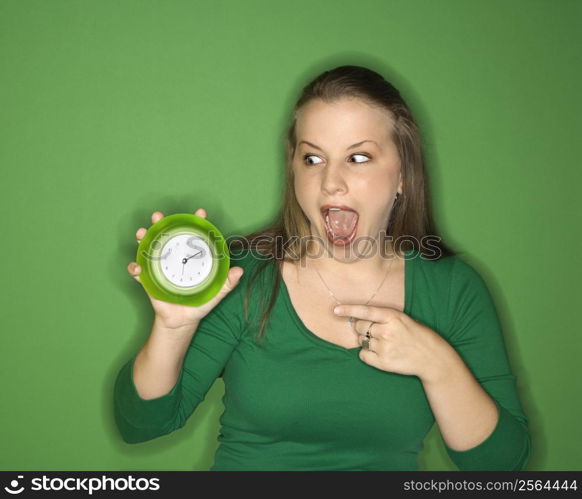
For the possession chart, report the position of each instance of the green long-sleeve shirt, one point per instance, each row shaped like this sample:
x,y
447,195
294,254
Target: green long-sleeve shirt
x,y
299,402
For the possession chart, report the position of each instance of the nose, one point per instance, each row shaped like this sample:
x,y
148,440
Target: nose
x,y
333,180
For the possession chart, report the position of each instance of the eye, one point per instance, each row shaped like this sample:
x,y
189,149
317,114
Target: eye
x,y
365,156
306,156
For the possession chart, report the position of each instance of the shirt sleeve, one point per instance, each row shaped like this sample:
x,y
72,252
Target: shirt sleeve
x,y
475,333
216,337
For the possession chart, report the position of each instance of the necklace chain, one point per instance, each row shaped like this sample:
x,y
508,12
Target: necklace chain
x,y
350,320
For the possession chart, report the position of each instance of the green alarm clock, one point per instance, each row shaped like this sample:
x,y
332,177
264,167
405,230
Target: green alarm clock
x,y
184,259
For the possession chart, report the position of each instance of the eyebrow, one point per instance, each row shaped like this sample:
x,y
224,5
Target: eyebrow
x,y
351,147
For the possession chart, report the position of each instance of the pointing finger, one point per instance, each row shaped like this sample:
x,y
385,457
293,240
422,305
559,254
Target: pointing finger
x,y
366,312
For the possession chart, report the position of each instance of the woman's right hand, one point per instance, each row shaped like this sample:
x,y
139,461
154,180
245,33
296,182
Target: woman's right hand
x,y
173,315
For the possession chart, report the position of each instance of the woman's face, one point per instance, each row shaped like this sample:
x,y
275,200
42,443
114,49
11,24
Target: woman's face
x,y
345,157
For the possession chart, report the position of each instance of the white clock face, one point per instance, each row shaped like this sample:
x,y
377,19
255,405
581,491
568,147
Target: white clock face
x,y
186,260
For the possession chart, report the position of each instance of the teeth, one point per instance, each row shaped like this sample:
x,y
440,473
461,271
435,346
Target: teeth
x,y
334,209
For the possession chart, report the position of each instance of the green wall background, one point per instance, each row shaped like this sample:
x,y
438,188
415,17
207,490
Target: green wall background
x,y
111,110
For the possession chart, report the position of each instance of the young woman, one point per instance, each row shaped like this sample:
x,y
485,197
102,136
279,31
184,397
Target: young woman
x,y
312,386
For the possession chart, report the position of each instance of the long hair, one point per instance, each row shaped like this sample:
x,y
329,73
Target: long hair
x,y
410,221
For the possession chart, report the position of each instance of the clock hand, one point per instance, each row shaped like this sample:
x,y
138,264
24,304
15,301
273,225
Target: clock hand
x,y
195,254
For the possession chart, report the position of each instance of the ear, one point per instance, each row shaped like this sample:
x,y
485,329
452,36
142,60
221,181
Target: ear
x,y
400,183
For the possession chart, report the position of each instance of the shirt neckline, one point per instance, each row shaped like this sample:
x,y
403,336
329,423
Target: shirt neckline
x,y
408,280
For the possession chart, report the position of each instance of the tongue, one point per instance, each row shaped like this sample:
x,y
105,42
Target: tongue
x,y
342,222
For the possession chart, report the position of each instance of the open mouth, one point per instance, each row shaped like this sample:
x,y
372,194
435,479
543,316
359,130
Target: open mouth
x,y
340,224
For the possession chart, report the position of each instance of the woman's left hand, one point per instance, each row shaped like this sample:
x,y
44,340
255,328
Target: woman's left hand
x,y
398,343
